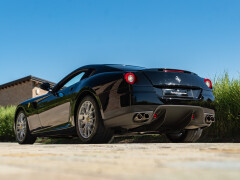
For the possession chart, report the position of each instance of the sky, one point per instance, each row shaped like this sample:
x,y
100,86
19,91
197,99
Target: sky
x,y
51,38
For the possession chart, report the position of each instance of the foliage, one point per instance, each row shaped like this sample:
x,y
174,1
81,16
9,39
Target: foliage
x,y
6,123
227,104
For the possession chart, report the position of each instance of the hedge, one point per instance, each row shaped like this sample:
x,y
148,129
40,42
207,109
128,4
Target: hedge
x,y
6,123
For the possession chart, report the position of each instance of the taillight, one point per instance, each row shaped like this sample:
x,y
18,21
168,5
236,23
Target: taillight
x,y
130,78
208,83
172,70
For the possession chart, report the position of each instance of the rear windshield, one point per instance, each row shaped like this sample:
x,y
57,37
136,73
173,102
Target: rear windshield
x,y
126,67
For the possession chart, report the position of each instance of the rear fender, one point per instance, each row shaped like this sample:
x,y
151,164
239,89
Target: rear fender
x,y
83,93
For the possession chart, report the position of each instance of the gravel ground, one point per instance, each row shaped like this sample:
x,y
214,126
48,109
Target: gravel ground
x,y
120,161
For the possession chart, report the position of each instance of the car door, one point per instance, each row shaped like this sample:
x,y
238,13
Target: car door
x,y
54,110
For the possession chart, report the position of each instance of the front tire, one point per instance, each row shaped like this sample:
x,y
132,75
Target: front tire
x,y
89,123
22,132
186,136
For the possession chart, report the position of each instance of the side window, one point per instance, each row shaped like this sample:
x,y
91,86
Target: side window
x,y
73,80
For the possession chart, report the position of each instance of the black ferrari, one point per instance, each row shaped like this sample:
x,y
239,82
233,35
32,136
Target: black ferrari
x,y
96,102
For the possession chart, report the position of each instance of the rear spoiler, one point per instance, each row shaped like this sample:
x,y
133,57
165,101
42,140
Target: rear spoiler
x,y
169,70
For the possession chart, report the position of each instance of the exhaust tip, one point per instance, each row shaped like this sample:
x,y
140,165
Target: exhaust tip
x,y
146,116
212,119
141,117
209,119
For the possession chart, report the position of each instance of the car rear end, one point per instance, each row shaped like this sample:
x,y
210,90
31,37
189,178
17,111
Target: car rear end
x,y
162,100
182,99
168,100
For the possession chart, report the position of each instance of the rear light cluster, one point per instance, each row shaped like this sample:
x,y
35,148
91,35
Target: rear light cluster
x,y
130,78
208,83
172,70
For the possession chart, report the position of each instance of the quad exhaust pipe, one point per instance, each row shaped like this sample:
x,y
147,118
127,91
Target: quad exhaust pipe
x,y
209,119
144,116
141,117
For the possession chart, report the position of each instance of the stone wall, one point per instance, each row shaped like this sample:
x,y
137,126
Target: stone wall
x,y
18,93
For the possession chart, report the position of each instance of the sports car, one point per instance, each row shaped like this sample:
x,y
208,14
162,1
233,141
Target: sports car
x,y
96,102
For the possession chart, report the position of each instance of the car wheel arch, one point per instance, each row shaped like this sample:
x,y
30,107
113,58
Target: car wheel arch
x,y
84,94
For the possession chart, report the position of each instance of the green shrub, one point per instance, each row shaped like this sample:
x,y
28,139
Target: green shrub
x,y
227,104
6,123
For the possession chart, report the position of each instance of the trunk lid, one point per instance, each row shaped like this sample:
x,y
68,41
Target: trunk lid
x,y
176,83
175,78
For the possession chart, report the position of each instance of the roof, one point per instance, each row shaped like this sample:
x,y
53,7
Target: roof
x,y
111,67
125,67
24,79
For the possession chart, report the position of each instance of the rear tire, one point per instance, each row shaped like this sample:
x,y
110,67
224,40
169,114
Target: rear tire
x,y
186,136
89,123
22,132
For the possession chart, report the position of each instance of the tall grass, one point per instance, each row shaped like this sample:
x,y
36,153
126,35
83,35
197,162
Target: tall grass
x,y
6,123
227,103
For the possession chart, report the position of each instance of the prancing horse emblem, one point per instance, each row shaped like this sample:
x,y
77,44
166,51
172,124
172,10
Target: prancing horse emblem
x,y
178,79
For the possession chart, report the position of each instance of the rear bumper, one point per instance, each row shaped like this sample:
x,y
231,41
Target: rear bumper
x,y
167,118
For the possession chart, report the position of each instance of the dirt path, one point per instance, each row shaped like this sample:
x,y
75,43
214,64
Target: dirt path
x,y
120,161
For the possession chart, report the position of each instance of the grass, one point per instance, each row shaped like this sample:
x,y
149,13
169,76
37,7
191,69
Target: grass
x,y
6,123
227,101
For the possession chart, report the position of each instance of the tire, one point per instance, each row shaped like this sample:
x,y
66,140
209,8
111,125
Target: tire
x,y
186,136
89,123
22,132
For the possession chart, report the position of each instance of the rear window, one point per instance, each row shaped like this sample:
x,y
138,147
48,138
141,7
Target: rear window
x,y
126,67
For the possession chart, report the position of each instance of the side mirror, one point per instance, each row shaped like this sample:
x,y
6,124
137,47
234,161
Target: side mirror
x,y
45,86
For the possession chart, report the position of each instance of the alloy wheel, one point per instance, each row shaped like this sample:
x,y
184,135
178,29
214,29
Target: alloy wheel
x,y
21,127
86,119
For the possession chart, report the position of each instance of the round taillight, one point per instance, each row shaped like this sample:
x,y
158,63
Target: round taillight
x,y
130,78
208,83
